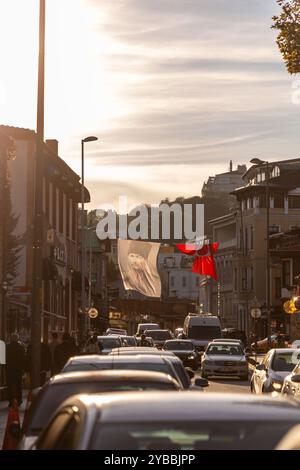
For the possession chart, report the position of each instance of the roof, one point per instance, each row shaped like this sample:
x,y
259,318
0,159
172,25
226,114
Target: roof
x,y
189,406
29,134
110,376
285,164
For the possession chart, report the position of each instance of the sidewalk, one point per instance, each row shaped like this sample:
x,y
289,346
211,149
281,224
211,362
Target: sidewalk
x,y
4,414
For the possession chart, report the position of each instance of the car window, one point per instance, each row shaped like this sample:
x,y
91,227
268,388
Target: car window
x,y
86,366
54,431
179,346
266,360
244,435
285,362
53,396
224,349
297,369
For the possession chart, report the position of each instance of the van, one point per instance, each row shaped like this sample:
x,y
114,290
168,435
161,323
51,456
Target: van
x,y
201,329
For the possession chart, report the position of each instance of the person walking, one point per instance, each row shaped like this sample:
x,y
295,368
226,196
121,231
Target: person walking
x,y
52,347
15,366
93,346
64,351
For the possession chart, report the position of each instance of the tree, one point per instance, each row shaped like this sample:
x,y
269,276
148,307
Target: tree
x,y
288,39
12,242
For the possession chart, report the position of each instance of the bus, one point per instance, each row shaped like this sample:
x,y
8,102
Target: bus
x,y
201,329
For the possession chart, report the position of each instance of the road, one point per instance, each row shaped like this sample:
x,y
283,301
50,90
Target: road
x,y
228,386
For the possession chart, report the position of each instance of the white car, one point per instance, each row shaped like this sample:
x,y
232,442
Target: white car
x,y
224,359
275,367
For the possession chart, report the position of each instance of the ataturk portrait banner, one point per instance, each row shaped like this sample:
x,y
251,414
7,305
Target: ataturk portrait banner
x,y
138,266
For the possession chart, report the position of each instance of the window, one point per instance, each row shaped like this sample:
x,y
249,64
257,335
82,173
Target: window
x,y
184,281
54,207
246,240
251,237
277,287
274,229
244,279
172,281
235,279
287,273
276,172
262,200
197,281
294,202
278,201
251,278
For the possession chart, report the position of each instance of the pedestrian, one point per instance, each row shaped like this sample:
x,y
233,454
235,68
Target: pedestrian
x,y
64,351
143,341
15,366
52,347
45,362
93,346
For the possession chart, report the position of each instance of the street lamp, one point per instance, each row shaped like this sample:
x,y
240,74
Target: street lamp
x,y
83,141
258,161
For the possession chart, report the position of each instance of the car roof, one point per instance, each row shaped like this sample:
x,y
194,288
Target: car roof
x,y
97,358
285,350
226,340
110,376
139,350
178,340
160,329
108,336
187,407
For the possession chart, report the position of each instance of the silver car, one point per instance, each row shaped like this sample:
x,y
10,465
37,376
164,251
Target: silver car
x,y
224,359
169,421
277,364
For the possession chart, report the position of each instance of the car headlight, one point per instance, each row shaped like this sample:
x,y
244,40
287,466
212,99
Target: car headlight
x,y
277,386
191,357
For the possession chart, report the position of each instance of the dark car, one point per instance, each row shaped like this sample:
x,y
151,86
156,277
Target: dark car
x,y
159,336
62,386
169,421
185,350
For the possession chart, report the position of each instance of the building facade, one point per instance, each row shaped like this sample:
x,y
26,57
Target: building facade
x,y
61,276
242,276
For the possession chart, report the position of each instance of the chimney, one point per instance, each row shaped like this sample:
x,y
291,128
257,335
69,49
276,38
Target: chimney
x,y
230,166
53,145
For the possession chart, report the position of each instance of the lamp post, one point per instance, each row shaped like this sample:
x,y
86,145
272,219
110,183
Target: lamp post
x,y
258,161
83,303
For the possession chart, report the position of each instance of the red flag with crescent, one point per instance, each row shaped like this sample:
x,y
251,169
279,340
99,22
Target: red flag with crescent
x,y
204,262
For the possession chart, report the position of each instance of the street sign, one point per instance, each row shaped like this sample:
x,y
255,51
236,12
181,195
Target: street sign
x,y
255,313
93,313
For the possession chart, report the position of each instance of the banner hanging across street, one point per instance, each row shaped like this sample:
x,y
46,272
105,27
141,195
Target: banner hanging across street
x,y
138,266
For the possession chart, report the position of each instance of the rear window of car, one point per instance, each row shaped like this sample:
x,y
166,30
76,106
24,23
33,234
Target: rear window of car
x,y
109,342
179,346
212,435
159,335
86,366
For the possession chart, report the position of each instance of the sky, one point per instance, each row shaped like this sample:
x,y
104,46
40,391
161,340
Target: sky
x,y
174,89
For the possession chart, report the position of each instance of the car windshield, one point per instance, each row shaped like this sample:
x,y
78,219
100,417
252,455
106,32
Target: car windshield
x,y
221,435
159,335
285,362
204,332
224,350
110,343
179,346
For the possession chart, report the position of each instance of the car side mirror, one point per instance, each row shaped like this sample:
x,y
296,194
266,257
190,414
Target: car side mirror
x,y
296,378
190,372
260,367
201,382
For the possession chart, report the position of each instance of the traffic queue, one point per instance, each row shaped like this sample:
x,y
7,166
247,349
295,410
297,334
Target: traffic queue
x,y
151,391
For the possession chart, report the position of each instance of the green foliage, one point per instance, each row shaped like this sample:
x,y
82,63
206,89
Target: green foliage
x,y
288,39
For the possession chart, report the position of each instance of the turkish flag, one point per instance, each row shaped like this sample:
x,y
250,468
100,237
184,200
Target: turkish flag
x,y
204,262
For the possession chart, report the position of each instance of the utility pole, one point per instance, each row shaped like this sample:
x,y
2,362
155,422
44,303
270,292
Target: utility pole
x,y
38,229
